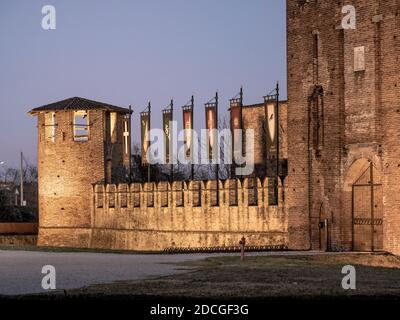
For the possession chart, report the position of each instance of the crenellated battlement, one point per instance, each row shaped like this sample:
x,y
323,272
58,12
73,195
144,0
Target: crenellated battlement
x,y
194,215
230,192
78,149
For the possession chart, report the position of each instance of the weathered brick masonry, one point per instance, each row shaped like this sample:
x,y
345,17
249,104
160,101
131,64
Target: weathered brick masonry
x,y
186,216
343,115
340,131
68,168
180,216
254,118
81,207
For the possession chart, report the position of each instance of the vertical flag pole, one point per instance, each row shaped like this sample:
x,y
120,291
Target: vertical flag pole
x,y
22,180
371,170
149,165
277,128
191,140
241,119
236,104
130,144
217,142
277,140
171,147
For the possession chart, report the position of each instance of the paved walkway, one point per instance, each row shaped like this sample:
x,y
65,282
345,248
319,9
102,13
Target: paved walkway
x,y
20,271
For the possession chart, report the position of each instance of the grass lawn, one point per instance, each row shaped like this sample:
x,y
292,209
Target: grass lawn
x,y
302,276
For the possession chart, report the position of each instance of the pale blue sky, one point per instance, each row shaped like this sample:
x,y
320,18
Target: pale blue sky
x,y
127,52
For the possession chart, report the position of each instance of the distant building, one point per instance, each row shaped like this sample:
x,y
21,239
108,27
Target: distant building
x,y
30,195
6,194
12,194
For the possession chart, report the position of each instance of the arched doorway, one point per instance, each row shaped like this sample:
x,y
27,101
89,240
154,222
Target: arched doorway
x,y
367,210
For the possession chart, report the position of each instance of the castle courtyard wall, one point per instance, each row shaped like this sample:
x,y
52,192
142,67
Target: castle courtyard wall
x,y
128,217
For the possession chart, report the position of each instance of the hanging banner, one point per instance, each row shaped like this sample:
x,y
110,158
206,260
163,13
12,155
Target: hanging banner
x,y
271,137
145,135
211,124
167,118
236,122
126,135
188,127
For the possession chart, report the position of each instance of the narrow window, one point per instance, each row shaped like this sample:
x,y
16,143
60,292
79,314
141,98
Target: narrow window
x,y
316,56
317,114
81,126
316,47
50,126
113,127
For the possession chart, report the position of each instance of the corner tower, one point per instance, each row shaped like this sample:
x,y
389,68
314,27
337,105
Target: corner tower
x,y
80,142
344,125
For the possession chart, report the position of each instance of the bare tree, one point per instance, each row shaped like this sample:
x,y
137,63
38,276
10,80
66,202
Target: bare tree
x,y
31,174
208,171
12,176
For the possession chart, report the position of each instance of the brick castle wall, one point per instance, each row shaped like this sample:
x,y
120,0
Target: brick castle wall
x,y
66,171
389,71
162,216
329,152
69,217
254,118
337,122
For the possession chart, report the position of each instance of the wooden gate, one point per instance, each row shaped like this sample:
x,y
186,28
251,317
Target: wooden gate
x,y
367,212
